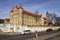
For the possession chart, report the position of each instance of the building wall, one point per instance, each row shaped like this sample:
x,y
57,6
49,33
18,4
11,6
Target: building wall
x,y
29,20
18,17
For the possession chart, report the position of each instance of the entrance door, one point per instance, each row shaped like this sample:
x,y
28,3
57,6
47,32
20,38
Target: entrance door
x,y
1,30
11,30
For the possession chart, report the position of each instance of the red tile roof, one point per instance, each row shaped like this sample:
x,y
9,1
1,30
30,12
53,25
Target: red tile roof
x,y
11,10
20,6
27,12
7,19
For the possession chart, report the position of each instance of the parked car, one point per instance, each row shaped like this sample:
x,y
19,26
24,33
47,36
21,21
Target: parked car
x,y
26,32
49,30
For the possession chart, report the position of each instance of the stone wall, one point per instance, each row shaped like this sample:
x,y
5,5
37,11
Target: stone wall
x,y
9,33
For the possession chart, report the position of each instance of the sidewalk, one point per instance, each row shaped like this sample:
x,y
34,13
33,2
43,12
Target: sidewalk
x,y
45,36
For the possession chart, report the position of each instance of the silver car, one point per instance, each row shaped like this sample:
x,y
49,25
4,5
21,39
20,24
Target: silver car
x,y
26,32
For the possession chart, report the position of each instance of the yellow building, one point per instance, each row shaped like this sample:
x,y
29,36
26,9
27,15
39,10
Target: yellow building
x,y
6,20
21,19
20,16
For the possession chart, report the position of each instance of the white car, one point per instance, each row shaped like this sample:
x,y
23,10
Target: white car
x,y
26,32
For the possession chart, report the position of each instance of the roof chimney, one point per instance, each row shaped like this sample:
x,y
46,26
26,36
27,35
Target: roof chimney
x,y
20,6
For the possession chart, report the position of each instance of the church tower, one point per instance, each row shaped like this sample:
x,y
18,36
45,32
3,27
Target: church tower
x,y
47,18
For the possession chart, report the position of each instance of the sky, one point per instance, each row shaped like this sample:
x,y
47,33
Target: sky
x,y
52,6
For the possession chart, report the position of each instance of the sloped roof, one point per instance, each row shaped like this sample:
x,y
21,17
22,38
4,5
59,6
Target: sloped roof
x,y
7,19
29,13
20,6
26,12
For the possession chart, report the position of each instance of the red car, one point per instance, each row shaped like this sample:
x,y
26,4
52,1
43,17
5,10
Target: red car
x,y
49,30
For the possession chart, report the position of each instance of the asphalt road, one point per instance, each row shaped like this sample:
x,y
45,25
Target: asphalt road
x,y
24,37
50,36
57,37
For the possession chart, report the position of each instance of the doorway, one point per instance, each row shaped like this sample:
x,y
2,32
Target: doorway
x,y
11,29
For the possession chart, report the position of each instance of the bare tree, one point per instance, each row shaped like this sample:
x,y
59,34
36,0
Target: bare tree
x,y
53,18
